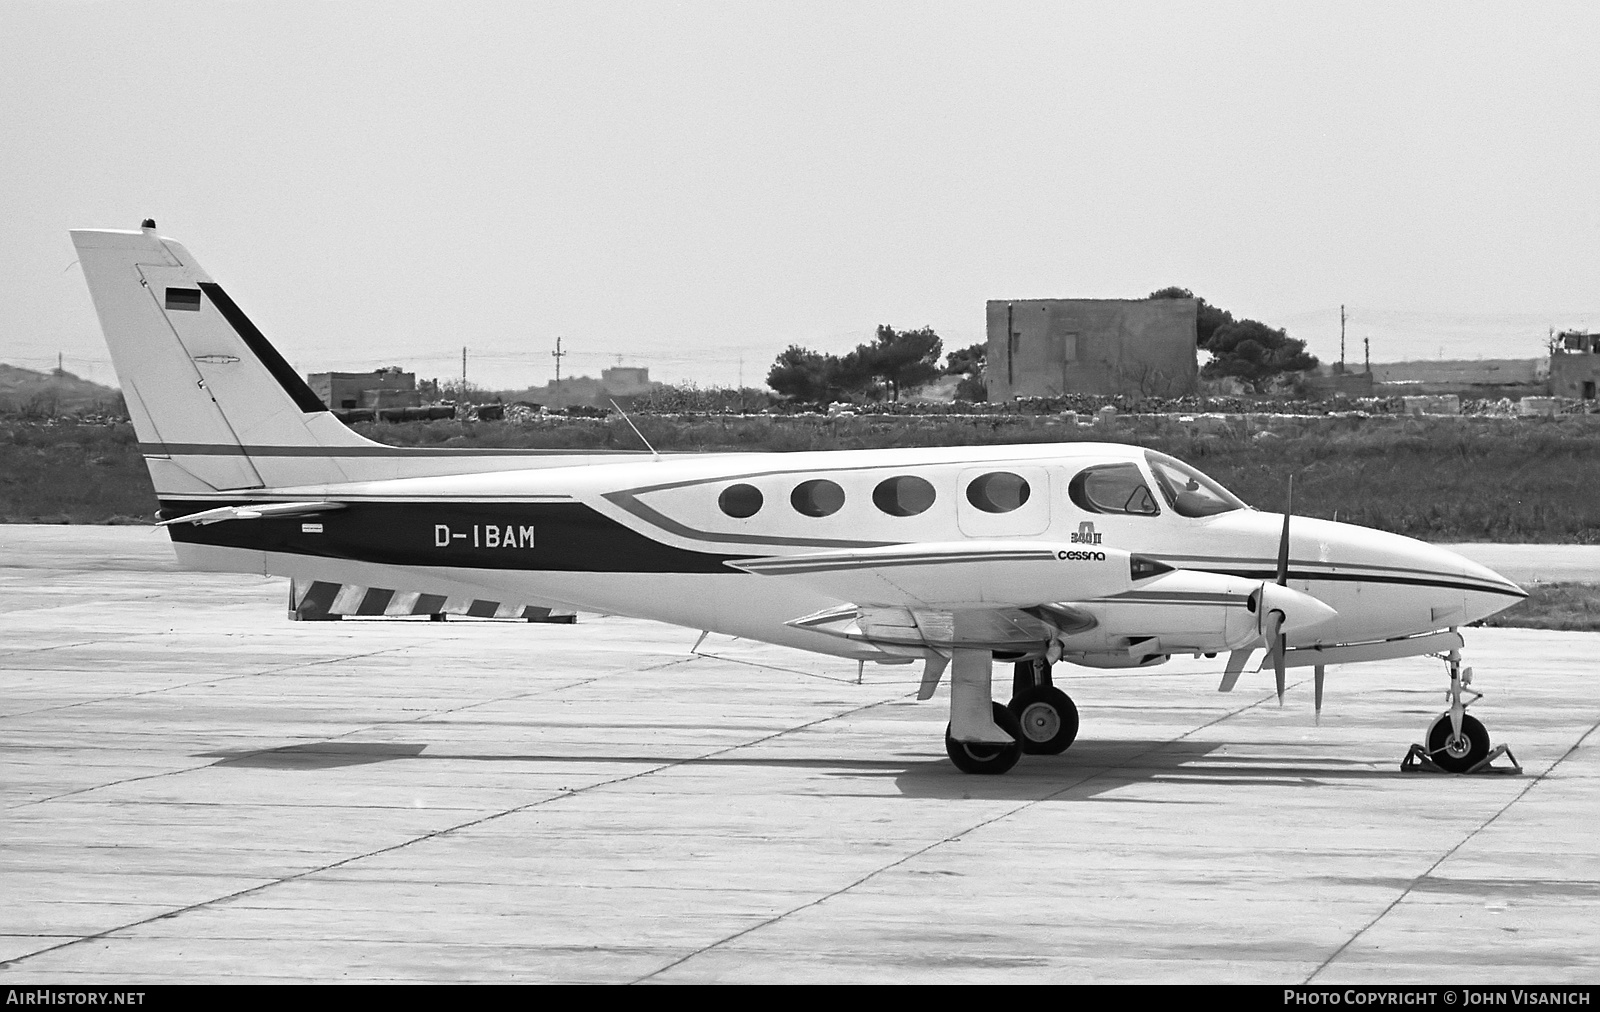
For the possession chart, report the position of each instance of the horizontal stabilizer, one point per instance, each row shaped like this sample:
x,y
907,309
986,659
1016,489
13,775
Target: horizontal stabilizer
x,y
256,511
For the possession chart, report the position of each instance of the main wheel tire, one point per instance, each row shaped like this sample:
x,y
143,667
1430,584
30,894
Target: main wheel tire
x,y
1461,755
1048,718
973,758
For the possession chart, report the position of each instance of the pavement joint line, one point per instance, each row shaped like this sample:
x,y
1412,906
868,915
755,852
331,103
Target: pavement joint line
x,y
358,730
791,671
58,646
1412,885
203,681
471,823
146,692
953,837
436,714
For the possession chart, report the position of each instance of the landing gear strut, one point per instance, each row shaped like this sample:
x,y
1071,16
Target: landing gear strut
x,y
1048,717
1457,741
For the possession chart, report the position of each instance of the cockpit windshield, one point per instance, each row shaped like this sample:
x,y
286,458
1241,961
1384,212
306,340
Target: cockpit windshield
x,y
1187,491
1112,488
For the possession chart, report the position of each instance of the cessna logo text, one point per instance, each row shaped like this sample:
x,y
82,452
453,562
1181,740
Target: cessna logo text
x,y
484,536
1066,556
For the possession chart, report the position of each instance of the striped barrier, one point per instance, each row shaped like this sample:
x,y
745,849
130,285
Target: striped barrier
x,y
323,601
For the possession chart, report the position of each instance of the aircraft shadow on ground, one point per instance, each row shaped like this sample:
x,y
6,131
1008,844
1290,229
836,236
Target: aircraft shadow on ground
x,y
1090,770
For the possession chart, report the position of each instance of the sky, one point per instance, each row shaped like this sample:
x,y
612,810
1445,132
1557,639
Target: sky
x,y
693,187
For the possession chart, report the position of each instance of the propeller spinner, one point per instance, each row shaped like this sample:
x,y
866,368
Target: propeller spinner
x,y
1280,610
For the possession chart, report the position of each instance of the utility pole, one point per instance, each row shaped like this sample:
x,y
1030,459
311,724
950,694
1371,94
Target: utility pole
x,y
1341,337
1366,344
557,356
463,374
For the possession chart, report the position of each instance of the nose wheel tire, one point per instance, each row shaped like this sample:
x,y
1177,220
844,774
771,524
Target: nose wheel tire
x,y
976,758
1048,718
1461,754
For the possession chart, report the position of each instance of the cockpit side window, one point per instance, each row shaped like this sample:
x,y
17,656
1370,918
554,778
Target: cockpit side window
x,y
1113,488
1187,491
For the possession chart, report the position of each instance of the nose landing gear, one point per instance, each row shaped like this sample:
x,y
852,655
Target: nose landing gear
x,y
1457,742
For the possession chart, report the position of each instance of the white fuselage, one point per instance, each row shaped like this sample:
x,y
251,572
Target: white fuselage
x,y
1381,585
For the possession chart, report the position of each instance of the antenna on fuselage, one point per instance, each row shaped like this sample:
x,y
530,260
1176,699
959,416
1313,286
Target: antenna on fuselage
x,y
653,451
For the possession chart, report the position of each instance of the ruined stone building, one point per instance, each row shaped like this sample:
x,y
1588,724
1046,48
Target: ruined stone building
x,y
1575,364
1049,347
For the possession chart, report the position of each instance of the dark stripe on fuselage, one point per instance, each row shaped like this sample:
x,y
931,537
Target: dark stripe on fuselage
x,y
543,537
1174,597
1271,576
1402,574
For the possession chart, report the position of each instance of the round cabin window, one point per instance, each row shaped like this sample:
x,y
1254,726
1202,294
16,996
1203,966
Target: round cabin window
x,y
904,495
740,501
817,498
998,491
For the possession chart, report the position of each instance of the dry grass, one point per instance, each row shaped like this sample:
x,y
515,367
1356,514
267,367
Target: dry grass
x,y
1574,607
73,474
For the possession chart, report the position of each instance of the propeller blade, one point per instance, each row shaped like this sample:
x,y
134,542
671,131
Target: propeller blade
x,y
1278,666
1283,542
1317,675
1277,644
1236,662
932,671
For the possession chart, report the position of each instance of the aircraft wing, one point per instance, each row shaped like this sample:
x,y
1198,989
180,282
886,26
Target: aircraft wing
x,y
919,629
996,595
961,575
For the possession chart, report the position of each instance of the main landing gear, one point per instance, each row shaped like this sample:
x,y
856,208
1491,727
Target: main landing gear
x,y
982,757
1041,719
1457,741
1048,717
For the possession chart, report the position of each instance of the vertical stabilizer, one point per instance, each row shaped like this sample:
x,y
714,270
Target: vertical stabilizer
x,y
216,408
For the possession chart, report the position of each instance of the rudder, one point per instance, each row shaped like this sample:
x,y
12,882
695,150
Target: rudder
x,y
216,408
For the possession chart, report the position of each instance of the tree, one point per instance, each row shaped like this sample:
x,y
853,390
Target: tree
x,y
1255,352
1207,320
804,375
898,360
1247,349
971,364
902,360
967,361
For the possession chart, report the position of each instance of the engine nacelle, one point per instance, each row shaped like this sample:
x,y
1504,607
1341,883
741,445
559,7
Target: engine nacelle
x,y
1114,659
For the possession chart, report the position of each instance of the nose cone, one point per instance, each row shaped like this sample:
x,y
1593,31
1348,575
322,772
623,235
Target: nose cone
x,y
1381,585
1424,586
1488,592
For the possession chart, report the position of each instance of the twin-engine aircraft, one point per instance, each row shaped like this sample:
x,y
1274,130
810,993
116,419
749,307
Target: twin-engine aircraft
x,y
1103,555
